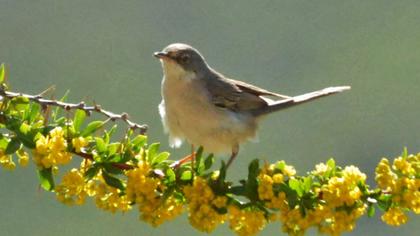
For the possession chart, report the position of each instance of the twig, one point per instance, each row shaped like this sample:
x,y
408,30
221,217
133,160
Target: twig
x,y
81,105
88,156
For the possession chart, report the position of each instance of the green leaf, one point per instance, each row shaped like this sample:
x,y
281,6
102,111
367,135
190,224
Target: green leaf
x,y
113,181
331,163
170,175
152,151
13,146
385,202
307,184
26,135
296,185
2,73
280,165
78,119
404,154
186,175
34,112
252,182
208,162
92,172
371,210
160,157
46,179
110,168
139,140
92,127
4,142
20,103
100,145
113,148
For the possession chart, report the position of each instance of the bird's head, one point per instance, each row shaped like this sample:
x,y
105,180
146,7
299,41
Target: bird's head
x,y
181,58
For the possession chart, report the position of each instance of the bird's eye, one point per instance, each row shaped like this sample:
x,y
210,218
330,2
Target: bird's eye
x,y
184,58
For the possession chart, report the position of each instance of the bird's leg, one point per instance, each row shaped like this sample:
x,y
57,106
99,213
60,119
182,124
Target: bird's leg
x,y
190,157
235,151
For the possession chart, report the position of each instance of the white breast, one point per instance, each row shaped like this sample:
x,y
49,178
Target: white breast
x,y
187,113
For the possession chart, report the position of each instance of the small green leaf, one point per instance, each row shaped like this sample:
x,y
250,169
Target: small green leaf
x,y
100,145
46,179
4,142
296,185
79,118
208,162
110,168
109,133
170,175
91,172
404,154
92,127
280,165
160,157
20,103
13,146
139,140
371,210
113,148
307,184
2,73
186,175
331,163
113,181
152,151
34,112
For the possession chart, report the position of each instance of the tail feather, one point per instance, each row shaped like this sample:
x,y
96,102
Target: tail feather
x,y
297,100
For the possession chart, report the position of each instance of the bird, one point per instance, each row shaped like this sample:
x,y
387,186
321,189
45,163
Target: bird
x,y
205,108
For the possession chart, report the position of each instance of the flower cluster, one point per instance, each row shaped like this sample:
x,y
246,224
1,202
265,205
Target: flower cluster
x,y
109,198
73,190
6,161
51,150
202,205
401,182
247,221
147,192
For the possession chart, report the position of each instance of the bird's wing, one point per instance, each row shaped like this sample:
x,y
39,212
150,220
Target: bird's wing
x,y
236,95
249,88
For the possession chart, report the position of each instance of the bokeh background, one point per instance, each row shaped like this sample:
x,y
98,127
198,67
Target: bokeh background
x,y
101,50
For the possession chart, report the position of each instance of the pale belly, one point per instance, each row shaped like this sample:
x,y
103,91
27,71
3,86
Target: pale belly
x,y
190,116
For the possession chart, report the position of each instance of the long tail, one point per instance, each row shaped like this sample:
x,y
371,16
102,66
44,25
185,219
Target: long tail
x,y
297,100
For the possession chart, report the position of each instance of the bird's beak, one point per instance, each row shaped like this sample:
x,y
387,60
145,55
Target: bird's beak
x,y
161,55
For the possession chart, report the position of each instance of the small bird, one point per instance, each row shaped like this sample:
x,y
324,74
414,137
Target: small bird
x,y
205,108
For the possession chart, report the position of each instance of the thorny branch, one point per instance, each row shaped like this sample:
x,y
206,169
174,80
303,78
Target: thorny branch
x,y
81,105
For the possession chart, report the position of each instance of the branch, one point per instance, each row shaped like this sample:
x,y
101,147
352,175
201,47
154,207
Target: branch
x,y
81,105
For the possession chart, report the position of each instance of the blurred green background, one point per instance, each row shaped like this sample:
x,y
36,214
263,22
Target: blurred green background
x,y
102,51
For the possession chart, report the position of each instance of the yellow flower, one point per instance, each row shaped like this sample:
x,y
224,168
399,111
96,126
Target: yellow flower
x,y
289,170
23,157
79,143
394,216
246,221
265,187
201,205
147,192
110,199
72,190
6,161
51,150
